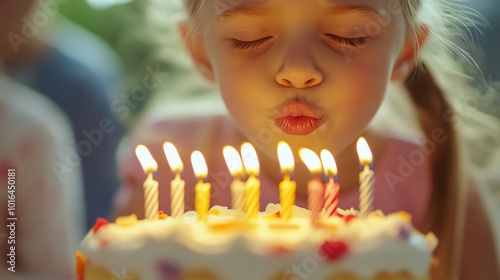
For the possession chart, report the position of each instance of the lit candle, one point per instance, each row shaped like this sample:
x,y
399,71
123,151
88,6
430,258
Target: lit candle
x,y
150,186
177,184
287,187
315,191
235,167
366,178
202,190
252,185
332,188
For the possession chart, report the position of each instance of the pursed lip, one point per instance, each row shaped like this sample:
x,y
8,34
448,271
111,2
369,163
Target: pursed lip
x,y
297,117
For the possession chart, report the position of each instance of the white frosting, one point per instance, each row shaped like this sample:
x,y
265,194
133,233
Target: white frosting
x,y
375,245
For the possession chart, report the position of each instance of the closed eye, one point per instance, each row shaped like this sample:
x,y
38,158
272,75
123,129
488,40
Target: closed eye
x,y
248,45
352,42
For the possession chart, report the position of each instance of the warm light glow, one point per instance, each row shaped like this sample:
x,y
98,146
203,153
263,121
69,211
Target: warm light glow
x,y
329,164
173,158
285,157
364,153
199,165
250,159
233,161
147,161
311,160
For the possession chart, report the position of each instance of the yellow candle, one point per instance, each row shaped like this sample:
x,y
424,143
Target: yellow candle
x,y
235,166
202,190
366,178
177,184
287,187
252,185
150,186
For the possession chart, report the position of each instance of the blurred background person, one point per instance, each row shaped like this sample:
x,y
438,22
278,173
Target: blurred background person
x,y
48,205
77,72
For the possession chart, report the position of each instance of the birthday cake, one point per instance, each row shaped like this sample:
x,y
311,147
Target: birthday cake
x,y
228,247
283,242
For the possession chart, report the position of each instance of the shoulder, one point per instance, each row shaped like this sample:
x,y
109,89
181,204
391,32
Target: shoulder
x,y
25,110
480,259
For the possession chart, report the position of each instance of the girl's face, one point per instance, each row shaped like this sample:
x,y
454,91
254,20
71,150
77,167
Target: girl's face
x,y
312,73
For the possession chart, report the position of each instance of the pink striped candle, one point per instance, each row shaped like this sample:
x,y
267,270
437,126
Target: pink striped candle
x,y
332,188
315,190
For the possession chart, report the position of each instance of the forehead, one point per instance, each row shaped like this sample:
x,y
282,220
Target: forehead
x,y
224,9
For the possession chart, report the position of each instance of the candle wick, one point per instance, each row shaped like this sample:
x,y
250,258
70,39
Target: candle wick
x,y
150,176
200,180
177,176
287,177
332,181
367,168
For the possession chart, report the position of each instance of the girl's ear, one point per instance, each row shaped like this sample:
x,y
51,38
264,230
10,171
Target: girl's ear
x,y
407,60
193,43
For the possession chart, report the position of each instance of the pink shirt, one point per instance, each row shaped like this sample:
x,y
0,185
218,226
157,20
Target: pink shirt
x,y
210,134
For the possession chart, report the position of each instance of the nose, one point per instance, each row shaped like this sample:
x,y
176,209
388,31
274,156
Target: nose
x,y
299,70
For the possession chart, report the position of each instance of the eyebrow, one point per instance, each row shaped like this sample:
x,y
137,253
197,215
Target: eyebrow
x,y
242,11
345,9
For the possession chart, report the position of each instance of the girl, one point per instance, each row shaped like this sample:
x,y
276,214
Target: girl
x,y
319,74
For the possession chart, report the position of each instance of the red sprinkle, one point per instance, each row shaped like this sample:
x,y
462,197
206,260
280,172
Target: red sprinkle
x,y
99,223
280,250
277,214
350,217
334,249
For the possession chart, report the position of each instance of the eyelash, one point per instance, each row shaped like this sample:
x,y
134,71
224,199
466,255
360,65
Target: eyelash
x,y
354,42
248,45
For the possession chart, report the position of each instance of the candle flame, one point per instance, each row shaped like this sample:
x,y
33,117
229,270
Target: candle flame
x,y
364,153
199,165
250,159
329,164
147,161
311,160
173,158
233,161
285,157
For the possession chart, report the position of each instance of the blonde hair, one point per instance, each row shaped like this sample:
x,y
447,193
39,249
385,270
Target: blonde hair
x,y
434,99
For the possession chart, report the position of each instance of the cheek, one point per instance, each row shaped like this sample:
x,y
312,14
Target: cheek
x,y
243,93
360,87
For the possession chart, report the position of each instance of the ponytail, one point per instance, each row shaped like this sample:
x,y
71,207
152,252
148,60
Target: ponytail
x,y
443,216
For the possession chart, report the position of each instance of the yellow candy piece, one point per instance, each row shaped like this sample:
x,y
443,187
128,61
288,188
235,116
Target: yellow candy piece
x,y
405,215
213,212
162,216
274,216
80,265
126,221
